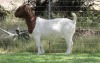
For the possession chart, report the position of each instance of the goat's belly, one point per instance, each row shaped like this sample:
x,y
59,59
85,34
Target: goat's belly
x,y
51,35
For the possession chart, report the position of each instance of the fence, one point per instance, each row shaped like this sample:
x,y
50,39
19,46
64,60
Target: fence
x,y
86,38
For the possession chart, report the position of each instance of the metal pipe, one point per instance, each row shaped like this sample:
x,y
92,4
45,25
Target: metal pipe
x,y
49,9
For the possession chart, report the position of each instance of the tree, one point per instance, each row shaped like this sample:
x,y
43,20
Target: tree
x,y
66,6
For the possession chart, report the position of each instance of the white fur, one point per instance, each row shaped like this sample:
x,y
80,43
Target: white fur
x,y
54,28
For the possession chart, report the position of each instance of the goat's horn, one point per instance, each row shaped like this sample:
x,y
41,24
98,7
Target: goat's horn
x,y
6,31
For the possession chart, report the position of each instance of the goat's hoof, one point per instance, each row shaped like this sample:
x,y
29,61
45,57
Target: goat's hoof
x,y
43,52
67,53
39,53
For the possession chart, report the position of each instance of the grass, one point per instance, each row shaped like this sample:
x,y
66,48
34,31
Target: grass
x,y
50,58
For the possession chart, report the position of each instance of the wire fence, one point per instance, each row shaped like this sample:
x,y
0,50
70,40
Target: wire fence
x,y
86,38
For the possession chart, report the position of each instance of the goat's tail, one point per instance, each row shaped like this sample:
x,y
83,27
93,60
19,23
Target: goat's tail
x,y
75,17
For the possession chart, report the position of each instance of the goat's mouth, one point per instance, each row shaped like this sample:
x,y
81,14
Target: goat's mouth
x,y
19,16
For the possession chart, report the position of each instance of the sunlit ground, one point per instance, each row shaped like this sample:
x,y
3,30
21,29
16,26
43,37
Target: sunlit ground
x,y
50,58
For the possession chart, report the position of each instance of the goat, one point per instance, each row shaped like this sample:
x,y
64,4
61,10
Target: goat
x,y
44,28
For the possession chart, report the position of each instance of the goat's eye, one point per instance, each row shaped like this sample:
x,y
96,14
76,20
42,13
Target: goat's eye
x,y
33,8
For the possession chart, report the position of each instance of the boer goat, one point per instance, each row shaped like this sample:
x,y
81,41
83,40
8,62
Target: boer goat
x,y
44,28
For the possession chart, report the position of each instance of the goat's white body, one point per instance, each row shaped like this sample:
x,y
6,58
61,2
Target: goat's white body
x,y
54,28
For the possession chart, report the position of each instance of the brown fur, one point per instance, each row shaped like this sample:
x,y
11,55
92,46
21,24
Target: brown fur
x,y
26,12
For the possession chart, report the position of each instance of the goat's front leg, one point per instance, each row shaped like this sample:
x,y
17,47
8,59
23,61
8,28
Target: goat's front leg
x,y
38,43
42,49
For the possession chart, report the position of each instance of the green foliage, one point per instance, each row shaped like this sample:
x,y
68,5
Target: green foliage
x,y
89,19
3,13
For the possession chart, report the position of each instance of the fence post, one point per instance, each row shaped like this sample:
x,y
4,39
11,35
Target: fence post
x,y
49,17
49,9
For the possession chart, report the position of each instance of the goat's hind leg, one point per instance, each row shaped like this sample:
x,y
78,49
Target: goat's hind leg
x,y
69,43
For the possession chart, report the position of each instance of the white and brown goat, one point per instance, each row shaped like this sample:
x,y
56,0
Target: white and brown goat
x,y
44,28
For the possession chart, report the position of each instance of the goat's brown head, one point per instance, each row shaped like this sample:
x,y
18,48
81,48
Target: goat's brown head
x,y
25,10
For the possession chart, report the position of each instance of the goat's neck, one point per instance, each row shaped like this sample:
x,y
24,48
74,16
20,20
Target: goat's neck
x,y
30,23
27,18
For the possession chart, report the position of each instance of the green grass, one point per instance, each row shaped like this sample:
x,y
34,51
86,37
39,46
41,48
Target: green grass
x,y
50,58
